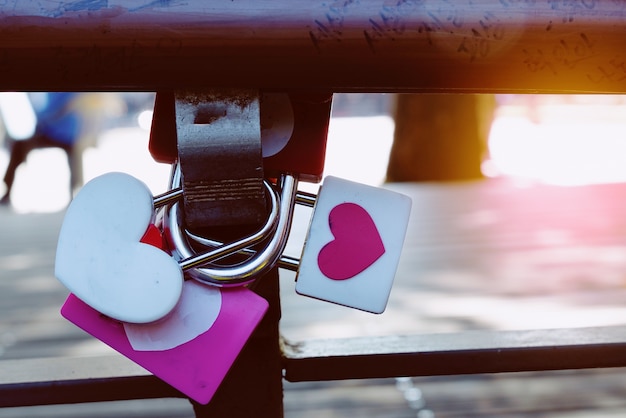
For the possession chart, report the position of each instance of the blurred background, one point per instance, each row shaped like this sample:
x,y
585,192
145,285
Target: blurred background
x,y
568,140
517,223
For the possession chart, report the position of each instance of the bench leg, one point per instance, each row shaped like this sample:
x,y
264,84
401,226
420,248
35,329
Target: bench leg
x,y
253,386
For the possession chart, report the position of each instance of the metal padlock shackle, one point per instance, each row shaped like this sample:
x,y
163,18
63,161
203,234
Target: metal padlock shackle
x,y
247,271
285,261
224,250
221,250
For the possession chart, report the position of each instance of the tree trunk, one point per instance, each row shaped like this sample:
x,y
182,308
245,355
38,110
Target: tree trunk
x,y
439,137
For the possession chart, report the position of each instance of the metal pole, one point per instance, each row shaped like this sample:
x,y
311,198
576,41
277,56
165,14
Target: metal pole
x,y
254,386
487,46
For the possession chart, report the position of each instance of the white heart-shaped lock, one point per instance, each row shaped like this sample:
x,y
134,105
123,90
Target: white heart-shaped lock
x,y
100,257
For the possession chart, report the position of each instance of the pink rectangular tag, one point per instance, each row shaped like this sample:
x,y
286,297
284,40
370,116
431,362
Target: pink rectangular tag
x,y
195,367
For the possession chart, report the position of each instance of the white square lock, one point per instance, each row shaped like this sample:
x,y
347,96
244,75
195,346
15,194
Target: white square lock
x,y
353,246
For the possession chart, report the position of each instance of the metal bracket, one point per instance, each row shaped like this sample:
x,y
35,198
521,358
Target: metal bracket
x,y
219,150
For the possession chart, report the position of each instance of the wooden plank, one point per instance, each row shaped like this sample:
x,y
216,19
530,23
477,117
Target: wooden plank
x,y
486,46
456,353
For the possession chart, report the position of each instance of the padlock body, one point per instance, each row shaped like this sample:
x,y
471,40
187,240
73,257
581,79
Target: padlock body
x,y
303,154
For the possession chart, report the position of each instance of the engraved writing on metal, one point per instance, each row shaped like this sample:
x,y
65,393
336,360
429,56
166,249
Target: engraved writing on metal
x,y
490,46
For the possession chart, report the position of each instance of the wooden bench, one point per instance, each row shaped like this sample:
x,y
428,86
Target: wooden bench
x,y
492,46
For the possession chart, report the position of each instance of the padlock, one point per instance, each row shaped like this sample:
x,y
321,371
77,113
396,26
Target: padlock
x,y
218,135
353,245
169,337
100,259
294,128
240,273
305,152
220,312
206,319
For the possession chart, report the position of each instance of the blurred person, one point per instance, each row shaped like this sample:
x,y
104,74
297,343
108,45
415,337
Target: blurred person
x,y
3,134
59,125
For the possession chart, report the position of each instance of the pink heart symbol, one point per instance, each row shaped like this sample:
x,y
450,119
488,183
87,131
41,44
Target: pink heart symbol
x,y
357,244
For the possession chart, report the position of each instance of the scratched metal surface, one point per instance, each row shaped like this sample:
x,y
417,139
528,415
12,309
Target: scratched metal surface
x,y
367,45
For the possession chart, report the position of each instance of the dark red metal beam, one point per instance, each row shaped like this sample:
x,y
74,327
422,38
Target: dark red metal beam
x,y
75,380
485,46
457,353
48,381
